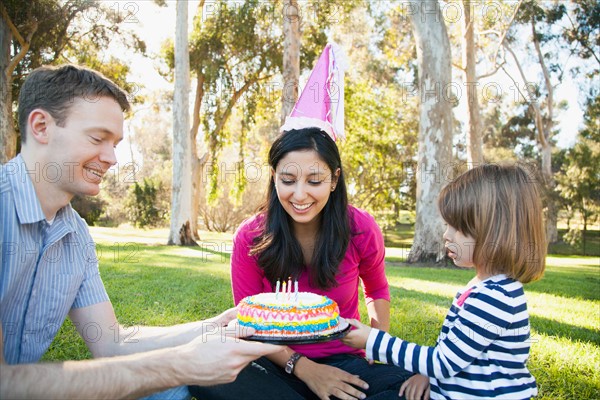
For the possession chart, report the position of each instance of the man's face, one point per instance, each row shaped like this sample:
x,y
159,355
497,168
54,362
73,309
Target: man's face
x,y
84,149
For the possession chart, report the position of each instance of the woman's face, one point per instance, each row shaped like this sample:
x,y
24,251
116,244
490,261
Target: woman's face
x,y
304,183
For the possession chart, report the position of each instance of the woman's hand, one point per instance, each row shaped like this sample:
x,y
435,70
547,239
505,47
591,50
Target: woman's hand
x,y
326,381
357,338
415,388
224,318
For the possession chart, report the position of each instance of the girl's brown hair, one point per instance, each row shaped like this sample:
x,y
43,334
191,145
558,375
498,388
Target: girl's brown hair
x,y
500,207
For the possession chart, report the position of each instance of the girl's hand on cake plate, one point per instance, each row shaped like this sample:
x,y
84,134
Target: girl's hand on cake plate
x,y
326,381
357,338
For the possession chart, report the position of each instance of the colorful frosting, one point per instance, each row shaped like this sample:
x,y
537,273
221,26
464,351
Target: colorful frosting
x,y
308,314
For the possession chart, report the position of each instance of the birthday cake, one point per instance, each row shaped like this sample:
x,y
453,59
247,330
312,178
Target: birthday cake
x,y
281,315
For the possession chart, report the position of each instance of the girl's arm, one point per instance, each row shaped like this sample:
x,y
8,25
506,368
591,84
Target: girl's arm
x,y
477,325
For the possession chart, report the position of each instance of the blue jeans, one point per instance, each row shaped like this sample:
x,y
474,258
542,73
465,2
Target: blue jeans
x,y
176,393
263,380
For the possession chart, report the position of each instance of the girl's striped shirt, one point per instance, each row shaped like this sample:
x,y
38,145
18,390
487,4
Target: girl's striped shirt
x,y
481,351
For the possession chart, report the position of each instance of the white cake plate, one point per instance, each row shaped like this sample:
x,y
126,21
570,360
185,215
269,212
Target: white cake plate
x,y
340,331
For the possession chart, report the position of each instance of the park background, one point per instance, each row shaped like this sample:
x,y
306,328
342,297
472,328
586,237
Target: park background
x,y
511,81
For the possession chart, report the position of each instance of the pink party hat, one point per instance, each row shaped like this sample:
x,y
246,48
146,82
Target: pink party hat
x,y
321,103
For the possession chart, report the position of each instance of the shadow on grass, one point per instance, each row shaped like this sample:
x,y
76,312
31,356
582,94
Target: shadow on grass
x,y
571,282
561,329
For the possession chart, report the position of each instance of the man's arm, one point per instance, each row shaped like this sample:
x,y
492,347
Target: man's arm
x,y
104,336
207,360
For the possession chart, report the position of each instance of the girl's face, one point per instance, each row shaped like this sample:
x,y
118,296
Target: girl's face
x,y
304,183
459,247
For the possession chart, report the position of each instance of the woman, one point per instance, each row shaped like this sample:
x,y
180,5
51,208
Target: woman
x,y
307,231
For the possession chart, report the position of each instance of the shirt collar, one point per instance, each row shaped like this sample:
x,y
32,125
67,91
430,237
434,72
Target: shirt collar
x,y
29,209
27,204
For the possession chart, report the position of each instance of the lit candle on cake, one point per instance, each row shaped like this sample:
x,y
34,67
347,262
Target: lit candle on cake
x,y
289,289
296,291
277,290
283,287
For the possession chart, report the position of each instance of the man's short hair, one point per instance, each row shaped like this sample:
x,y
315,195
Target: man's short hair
x,y
55,89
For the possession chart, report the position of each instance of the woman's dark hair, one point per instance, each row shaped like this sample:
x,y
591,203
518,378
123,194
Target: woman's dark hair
x,y
279,253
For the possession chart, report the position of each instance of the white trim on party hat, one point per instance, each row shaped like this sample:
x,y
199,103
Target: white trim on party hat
x,y
321,103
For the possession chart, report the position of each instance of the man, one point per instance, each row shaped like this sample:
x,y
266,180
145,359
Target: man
x,y
71,120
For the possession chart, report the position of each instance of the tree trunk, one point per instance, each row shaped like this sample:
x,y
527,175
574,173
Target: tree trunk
x,y
197,163
549,185
291,57
545,125
8,137
435,130
181,200
474,141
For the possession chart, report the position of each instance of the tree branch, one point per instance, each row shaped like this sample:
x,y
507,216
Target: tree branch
x,y
25,43
12,26
549,89
490,73
501,40
581,42
236,96
459,67
538,114
197,104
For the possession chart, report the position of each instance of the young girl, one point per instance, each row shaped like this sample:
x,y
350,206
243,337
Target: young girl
x,y
495,226
307,231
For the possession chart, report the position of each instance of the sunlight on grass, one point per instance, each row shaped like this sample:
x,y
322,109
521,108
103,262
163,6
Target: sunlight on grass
x,y
574,312
126,233
579,261
424,286
565,369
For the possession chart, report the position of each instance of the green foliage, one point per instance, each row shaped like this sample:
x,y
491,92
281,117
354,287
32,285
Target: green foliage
x,y
235,66
510,136
80,28
90,208
579,177
143,204
112,68
379,149
584,31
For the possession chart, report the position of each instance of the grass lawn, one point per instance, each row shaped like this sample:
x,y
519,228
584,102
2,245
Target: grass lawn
x,y
153,284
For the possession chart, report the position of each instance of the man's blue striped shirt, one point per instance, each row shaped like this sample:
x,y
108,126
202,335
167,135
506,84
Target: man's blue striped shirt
x,y
46,269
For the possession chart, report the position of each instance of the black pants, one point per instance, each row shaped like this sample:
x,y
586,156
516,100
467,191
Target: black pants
x,y
263,380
